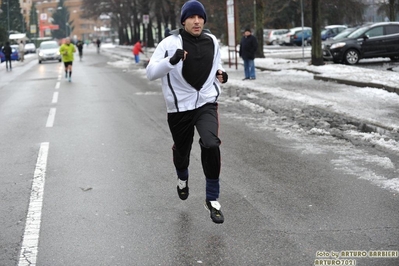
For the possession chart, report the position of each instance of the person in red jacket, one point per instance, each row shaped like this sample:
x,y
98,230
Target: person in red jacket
x,y
137,50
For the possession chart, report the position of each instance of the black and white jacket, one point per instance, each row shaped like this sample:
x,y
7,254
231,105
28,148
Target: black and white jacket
x,y
179,95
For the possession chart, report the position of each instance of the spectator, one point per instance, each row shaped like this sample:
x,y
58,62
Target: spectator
x,y
248,47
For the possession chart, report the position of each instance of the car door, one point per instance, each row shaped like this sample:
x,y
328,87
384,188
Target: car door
x,y
392,39
373,42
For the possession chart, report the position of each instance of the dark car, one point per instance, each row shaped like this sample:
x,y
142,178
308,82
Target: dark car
x,y
331,31
296,38
343,35
14,54
370,41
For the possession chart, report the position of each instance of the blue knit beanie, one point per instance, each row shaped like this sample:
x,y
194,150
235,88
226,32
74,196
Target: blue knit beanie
x,y
191,8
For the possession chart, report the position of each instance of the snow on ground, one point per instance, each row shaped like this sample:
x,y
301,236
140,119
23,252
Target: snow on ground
x,y
368,104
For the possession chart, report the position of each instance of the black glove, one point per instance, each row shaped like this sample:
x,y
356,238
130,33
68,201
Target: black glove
x,y
179,54
224,75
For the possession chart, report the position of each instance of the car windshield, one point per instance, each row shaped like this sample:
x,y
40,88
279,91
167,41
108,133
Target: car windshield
x,y
49,45
359,32
324,31
343,34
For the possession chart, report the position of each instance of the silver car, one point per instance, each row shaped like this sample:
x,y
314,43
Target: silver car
x,y
273,37
49,50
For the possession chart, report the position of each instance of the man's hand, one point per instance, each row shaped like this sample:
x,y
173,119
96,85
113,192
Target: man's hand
x,y
222,76
179,55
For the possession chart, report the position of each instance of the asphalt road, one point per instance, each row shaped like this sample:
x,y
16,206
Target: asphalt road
x,y
109,190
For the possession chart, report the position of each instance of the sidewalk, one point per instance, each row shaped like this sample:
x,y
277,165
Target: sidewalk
x,y
344,74
350,75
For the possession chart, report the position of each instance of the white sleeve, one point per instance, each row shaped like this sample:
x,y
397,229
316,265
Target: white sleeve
x,y
159,65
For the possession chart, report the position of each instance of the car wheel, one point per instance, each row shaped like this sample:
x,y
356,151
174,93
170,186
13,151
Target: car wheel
x,y
351,57
273,42
395,58
40,61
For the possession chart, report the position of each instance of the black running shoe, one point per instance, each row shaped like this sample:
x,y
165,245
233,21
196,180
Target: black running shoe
x,y
182,189
214,209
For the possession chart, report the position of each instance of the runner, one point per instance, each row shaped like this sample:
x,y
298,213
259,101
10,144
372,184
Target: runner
x,y
67,50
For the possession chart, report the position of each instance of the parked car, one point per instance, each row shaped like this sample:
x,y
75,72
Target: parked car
x,y
376,40
30,48
49,50
331,31
344,34
14,53
273,37
296,38
286,38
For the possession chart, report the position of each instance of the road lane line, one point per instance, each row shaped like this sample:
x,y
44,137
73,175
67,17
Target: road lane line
x,y
57,85
55,97
30,242
51,117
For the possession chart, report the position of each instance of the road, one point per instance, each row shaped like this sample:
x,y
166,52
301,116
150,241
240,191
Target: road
x,y
100,150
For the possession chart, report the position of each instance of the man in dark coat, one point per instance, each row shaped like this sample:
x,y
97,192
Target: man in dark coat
x,y
248,47
7,51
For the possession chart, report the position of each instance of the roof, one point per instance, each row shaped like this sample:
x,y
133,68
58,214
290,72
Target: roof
x,y
18,36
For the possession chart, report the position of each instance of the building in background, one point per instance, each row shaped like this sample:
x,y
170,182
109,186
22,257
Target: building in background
x,y
84,29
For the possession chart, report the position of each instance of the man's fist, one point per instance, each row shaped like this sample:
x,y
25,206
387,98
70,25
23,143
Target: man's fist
x,y
221,76
179,54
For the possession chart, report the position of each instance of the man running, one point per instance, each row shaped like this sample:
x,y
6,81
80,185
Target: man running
x,y
188,63
67,50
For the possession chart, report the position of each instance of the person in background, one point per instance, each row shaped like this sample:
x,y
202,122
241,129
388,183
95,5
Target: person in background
x,y
248,47
67,50
21,51
137,50
7,51
98,42
189,64
80,44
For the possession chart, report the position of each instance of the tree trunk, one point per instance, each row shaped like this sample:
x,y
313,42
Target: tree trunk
x,y
392,10
317,53
260,6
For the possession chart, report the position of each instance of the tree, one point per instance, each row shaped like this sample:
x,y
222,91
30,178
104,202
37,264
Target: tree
x,y
11,18
33,21
259,17
317,53
392,12
61,18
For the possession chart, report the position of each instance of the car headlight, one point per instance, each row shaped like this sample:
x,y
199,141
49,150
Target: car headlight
x,y
41,54
58,53
338,45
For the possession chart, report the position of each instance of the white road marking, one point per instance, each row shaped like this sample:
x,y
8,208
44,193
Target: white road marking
x,y
55,97
29,247
57,85
51,117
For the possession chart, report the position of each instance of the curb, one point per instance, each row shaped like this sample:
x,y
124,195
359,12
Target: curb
x,y
357,83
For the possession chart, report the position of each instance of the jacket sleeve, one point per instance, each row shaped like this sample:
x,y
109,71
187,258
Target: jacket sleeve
x,y
159,65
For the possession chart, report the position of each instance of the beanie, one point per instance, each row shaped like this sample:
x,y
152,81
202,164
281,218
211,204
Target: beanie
x,y
191,8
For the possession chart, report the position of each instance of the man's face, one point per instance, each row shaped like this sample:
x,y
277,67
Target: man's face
x,y
194,25
247,33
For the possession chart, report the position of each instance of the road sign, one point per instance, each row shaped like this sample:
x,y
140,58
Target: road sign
x,y
146,19
43,16
33,29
